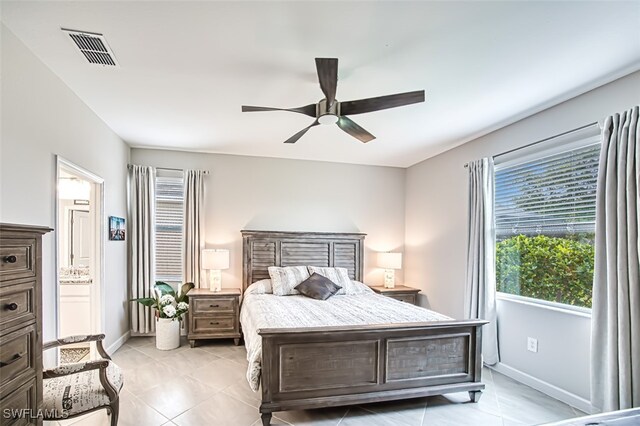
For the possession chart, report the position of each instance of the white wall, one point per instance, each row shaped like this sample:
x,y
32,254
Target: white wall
x,y
436,227
41,118
291,195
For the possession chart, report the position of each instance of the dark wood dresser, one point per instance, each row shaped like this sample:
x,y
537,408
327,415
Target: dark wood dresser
x,y
21,324
214,315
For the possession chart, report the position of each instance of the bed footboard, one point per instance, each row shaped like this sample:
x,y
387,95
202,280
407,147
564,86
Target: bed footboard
x,y
321,367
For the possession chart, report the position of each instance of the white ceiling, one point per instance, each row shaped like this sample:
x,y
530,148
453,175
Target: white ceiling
x,y
187,67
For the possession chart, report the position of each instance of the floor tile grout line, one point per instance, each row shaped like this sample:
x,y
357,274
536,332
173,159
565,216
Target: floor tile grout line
x,y
424,413
145,404
343,416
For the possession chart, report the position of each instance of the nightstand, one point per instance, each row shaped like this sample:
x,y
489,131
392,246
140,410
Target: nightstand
x,y
214,315
399,292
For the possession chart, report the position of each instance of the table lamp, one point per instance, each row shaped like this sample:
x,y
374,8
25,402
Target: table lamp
x,y
214,260
389,262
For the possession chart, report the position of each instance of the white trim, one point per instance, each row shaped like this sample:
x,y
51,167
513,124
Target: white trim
x,y
118,343
98,191
544,387
545,304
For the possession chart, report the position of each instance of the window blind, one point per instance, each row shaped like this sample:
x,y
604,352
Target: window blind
x,y
553,195
169,228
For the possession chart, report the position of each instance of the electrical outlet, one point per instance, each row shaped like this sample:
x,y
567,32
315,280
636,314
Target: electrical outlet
x,y
532,344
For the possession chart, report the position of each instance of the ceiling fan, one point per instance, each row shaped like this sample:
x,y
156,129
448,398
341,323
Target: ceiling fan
x,y
329,110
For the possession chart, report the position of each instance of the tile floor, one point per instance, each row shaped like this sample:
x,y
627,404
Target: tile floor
x,y
207,386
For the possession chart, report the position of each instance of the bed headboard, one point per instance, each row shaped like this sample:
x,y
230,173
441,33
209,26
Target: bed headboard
x,y
261,249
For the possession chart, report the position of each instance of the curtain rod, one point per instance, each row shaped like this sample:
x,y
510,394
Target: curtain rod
x,y
541,141
206,172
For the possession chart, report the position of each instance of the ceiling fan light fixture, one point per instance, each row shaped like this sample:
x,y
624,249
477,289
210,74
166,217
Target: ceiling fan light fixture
x,y
328,119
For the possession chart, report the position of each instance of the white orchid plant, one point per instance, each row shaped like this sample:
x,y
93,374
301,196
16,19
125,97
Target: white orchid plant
x,y
166,302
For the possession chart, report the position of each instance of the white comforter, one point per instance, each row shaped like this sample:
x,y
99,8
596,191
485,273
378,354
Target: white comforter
x,y
261,311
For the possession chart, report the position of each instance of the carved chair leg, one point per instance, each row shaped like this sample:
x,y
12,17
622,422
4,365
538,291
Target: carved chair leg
x,y
474,396
115,410
266,419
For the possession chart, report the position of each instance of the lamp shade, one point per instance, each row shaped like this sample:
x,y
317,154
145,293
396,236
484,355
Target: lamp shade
x,y
390,260
215,259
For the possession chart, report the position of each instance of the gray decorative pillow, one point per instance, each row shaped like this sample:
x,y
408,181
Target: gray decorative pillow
x,y
340,276
318,287
285,279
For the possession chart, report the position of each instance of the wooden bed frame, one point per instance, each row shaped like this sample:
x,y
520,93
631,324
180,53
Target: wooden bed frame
x,y
323,367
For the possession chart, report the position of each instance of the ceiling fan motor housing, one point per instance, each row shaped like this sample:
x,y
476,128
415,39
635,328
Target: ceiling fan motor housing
x,y
323,108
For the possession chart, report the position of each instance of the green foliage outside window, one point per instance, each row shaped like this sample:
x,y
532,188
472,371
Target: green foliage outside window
x,y
557,269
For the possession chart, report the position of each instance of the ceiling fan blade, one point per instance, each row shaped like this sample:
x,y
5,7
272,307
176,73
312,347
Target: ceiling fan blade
x,y
349,126
309,110
328,77
381,102
294,138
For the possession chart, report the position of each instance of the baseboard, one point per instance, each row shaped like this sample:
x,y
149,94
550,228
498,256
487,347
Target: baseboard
x,y
118,343
544,387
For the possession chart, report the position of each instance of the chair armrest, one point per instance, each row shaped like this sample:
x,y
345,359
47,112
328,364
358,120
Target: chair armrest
x,y
78,339
76,367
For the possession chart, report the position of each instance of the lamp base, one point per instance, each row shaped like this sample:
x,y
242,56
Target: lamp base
x,y
389,278
215,280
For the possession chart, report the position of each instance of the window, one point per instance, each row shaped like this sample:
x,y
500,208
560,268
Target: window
x,y
169,227
545,225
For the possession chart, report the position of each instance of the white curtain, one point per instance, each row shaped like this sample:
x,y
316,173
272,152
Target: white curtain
x,y
615,342
193,236
142,243
480,294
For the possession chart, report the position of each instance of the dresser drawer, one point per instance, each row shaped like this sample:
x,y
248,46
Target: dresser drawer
x,y
214,325
16,403
18,355
213,305
17,259
17,304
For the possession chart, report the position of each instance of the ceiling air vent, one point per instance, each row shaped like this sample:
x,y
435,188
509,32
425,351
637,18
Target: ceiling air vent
x,y
93,47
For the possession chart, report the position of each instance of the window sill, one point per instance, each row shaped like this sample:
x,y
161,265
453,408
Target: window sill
x,y
543,304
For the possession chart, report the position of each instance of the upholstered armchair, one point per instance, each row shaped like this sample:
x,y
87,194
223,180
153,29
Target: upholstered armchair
x,y
71,390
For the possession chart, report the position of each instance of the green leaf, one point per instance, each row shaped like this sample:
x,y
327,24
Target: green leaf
x,y
186,288
165,288
146,301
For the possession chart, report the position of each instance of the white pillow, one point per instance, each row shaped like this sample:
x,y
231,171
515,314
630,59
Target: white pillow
x,y
339,276
360,288
259,287
285,279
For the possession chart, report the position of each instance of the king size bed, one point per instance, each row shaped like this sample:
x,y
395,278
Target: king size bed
x,y
354,348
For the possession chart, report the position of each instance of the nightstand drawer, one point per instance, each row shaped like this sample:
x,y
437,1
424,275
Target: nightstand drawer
x,y
409,298
214,305
207,325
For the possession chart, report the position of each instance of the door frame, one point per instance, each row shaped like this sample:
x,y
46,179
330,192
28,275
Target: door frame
x,y
98,293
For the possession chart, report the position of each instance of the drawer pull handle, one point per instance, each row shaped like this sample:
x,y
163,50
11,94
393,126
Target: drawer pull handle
x,y
10,259
213,323
214,306
12,360
11,306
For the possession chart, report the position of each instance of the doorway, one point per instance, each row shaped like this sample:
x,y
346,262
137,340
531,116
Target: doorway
x,y
79,239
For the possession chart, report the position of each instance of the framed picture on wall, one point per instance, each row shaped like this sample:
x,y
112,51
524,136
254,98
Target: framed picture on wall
x,y
116,228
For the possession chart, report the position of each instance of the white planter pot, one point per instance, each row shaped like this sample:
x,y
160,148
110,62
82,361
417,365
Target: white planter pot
x,y
167,334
